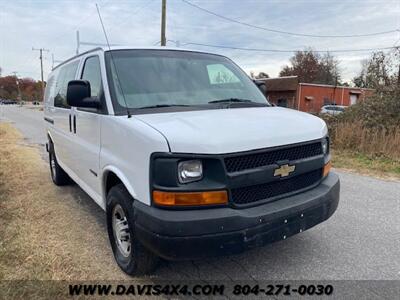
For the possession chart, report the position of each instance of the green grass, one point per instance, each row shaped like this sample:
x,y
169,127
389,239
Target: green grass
x,y
359,162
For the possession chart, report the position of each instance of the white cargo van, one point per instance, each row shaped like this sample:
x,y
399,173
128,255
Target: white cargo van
x,y
185,154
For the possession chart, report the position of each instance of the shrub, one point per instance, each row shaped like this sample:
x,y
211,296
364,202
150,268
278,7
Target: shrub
x,y
379,111
371,127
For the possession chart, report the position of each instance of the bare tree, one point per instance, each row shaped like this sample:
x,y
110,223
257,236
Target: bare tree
x,y
381,71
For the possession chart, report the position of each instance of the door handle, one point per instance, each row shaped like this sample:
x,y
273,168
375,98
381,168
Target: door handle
x,y
74,124
70,128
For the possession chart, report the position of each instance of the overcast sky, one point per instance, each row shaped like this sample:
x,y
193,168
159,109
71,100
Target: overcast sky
x,y
53,24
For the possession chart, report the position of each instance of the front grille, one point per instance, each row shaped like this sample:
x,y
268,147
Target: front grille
x,y
269,157
265,191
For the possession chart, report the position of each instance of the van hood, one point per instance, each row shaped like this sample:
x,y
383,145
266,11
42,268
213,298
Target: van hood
x,y
237,129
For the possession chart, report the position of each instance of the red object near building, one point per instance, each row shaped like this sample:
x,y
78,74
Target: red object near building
x,y
310,97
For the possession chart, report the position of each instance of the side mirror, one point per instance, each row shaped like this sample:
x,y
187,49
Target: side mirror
x,y
261,85
78,94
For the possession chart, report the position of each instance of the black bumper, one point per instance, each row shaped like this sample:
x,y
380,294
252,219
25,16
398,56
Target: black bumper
x,y
192,234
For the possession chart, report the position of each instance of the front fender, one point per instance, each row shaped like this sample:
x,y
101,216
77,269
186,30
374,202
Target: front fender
x,y
121,176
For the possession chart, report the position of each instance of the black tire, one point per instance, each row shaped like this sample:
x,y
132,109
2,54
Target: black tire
x,y
58,175
139,260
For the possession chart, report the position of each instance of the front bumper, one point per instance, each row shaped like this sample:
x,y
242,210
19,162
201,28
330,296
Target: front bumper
x,y
201,233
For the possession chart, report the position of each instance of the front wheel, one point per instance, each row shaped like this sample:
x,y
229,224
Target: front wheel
x,y
131,256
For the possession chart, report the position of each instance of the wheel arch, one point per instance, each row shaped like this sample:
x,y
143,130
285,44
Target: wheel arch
x,y
49,137
50,142
112,176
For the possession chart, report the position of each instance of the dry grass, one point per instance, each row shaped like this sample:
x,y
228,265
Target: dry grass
x,y
372,142
45,234
371,151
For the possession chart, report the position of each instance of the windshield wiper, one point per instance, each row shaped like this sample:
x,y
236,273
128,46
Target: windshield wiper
x,y
162,105
230,100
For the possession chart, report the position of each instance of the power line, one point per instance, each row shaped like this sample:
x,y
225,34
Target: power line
x,y
138,9
287,32
83,20
287,51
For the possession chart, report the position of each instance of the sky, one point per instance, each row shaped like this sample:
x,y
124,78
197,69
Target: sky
x,y
53,24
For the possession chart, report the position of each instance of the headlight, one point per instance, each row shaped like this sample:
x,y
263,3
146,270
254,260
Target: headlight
x,y
325,146
190,170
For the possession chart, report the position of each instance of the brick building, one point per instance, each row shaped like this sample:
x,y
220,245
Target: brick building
x,y
309,97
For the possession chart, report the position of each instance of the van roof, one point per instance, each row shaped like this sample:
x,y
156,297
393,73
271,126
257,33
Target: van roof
x,y
112,48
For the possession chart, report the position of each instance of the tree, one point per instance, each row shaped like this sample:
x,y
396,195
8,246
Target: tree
x,y
381,71
304,64
311,67
262,75
360,80
329,70
29,88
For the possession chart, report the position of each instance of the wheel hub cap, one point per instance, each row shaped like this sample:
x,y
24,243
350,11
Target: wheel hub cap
x,y
121,231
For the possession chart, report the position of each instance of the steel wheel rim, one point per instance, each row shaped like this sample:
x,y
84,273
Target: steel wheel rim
x,y
121,232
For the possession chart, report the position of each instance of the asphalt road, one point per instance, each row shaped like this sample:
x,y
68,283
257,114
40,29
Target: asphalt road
x,y
361,241
29,120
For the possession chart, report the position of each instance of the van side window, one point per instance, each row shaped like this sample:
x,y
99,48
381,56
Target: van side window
x,y
50,88
66,74
92,73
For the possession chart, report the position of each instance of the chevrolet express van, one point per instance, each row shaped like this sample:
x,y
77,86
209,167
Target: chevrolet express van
x,y
185,154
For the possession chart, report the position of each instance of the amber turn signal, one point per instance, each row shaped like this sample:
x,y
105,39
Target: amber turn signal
x,y
327,168
190,198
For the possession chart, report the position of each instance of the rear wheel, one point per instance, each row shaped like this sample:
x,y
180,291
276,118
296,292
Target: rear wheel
x,y
131,256
58,175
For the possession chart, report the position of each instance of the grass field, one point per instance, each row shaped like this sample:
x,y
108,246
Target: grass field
x,y
45,233
381,167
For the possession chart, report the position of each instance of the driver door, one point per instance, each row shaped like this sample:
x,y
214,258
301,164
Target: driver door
x,y
88,127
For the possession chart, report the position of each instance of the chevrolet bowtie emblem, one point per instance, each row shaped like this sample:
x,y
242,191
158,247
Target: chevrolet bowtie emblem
x,y
284,170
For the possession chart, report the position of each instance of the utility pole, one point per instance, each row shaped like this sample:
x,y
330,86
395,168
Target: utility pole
x,y
398,74
41,66
163,22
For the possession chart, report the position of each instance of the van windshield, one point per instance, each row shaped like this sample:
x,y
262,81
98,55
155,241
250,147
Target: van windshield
x,y
160,78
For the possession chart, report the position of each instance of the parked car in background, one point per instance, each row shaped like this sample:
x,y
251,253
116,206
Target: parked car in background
x,y
333,110
8,102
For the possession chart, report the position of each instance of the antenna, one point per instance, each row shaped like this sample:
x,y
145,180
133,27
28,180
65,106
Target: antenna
x,y
112,61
